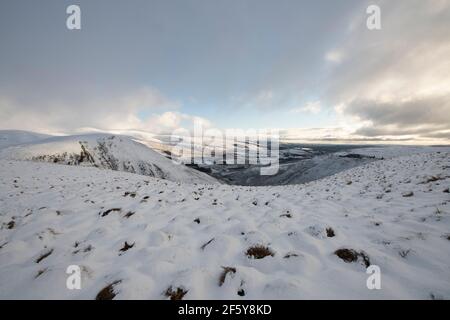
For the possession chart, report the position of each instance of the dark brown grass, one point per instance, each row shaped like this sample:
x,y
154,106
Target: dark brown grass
x,y
259,252
108,292
176,294
225,272
350,255
44,255
330,232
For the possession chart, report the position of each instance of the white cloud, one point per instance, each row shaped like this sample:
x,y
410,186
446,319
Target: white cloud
x,y
170,121
311,107
143,109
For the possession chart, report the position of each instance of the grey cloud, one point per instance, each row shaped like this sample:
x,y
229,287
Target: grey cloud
x,y
405,63
439,135
372,131
419,112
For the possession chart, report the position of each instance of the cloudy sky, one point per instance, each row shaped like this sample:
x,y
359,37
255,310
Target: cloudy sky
x,y
310,68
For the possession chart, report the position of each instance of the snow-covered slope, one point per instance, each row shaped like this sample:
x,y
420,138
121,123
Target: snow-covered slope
x,y
145,238
15,137
105,151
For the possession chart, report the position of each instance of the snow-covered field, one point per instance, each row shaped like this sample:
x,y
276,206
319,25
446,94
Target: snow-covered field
x,y
147,238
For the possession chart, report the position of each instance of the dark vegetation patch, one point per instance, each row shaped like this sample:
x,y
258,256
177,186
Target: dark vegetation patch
x,y
39,273
130,194
447,190
259,252
404,253
129,214
108,292
286,215
357,156
204,245
197,220
176,294
86,249
10,224
330,232
408,194
126,247
105,213
44,255
435,297
350,255
241,292
225,272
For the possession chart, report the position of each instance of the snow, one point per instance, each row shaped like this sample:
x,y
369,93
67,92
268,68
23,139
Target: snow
x,y
66,209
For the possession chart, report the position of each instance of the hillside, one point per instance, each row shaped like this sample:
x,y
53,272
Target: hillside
x,y
105,151
16,137
146,238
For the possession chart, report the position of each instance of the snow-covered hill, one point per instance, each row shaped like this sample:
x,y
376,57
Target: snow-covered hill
x,y
146,238
105,151
15,137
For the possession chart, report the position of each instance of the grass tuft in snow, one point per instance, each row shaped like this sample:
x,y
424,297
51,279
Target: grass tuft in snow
x,y
126,247
330,232
259,252
105,213
225,272
204,245
44,255
176,294
350,255
108,292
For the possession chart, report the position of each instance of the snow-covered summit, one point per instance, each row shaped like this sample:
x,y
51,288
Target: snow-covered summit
x,y
119,153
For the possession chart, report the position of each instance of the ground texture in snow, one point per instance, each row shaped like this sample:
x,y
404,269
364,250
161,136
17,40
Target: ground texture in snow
x,y
396,212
